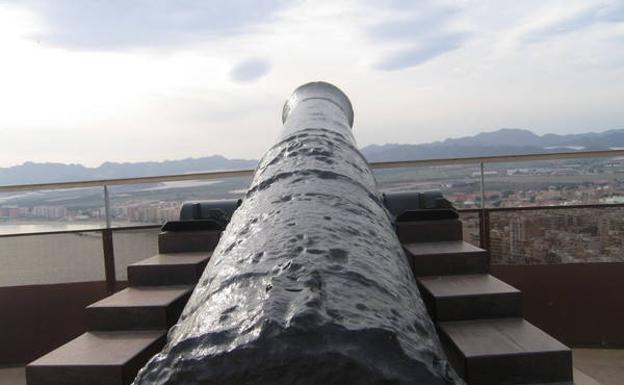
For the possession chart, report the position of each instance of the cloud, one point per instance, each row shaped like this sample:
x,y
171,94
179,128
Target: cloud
x,y
586,18
250,70
422,53
123,24
420,29
423,22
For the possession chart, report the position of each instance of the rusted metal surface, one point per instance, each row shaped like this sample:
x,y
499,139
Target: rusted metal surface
x,y
309,283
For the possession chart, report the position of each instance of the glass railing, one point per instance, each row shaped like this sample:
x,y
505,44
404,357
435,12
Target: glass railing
x,y
525,209
543,235
62,257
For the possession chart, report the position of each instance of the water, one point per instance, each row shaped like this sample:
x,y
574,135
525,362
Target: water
x,y
40,227
48,226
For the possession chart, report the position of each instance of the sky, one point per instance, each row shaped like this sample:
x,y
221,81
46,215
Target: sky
x,y
133,80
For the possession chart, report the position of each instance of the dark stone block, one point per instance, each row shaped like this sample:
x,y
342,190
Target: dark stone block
x,y
447,257
430,231
505,352
168,269
427,215
216,209
198,225
96,358
400,202
464,297
139,308
188,241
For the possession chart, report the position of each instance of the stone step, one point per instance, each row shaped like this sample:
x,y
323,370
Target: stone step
x,y
446,258
430,231
472,296
504,352
188,241
168,269
96,358
139,308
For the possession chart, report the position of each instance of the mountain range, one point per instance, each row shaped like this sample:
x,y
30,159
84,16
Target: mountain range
x,y
30,172
502,142
506,141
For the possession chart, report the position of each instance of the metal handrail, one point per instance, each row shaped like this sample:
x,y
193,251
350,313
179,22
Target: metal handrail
x,y
499,158
125,181
545,207
91,230
375,165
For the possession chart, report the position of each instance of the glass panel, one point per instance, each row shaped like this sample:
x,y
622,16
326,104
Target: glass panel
x,y
460,184
51,210
470,225
51,258
156,203
555,183
557,236
132,246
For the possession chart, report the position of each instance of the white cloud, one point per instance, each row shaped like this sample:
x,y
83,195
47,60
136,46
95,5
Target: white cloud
x,y
458,68
122,24
250,70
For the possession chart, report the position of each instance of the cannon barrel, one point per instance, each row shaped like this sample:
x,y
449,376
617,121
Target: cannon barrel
x,y
309,284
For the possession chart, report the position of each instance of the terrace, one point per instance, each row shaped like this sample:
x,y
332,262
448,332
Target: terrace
x,y
550,223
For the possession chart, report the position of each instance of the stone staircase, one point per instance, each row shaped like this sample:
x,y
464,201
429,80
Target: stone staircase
x,y
478,317
127,328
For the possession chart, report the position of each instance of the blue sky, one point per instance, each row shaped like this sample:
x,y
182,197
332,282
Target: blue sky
x,y
121,80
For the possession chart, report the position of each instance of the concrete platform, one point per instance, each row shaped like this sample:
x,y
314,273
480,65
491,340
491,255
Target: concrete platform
x,y
605,366
591,367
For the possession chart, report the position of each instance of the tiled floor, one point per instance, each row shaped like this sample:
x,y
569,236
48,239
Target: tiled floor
x,y
591,367
606,366
12,376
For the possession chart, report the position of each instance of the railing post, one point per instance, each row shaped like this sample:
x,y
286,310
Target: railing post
x,y
482,205
484,229
107,213
484,217
109,259
108,246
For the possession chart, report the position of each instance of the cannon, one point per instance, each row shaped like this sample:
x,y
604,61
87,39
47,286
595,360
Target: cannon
x,y
308,284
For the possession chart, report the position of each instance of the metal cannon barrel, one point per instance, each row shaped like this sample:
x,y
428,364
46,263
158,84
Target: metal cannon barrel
x,y
309,283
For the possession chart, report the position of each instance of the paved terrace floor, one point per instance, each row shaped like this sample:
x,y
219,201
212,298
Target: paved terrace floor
x,y
591,367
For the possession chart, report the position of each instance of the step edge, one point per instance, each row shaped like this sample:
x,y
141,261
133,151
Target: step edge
x,y
459,296
98,305
158,334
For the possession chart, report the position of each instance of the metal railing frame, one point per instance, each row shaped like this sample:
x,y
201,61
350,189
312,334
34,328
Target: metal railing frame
x,y
484,231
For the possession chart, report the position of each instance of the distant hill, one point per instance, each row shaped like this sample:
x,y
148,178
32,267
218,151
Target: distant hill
x,y
502,142
505,141
30,172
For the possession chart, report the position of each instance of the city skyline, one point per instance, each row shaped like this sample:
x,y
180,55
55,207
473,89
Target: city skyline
x,y
116,82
